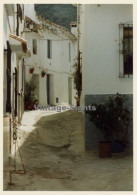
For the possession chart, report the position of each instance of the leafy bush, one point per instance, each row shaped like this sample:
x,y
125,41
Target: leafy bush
x,y
30,98
77,80
111,117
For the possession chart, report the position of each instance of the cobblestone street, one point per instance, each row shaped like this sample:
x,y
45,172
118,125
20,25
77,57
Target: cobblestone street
x,y
52,147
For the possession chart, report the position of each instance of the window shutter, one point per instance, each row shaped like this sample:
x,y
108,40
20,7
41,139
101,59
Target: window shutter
x,y
15,111
8,102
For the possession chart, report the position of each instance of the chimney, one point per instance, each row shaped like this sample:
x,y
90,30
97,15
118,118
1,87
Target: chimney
x,y
74,28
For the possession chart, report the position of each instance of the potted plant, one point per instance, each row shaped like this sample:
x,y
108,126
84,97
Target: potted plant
x,y
112,119
30,97
31,70
43,73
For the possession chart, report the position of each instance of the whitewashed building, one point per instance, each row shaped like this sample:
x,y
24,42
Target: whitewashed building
x,y
53,50
106,43
15,49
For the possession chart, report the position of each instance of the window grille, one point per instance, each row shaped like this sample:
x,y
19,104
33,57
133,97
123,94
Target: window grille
x,y
126,50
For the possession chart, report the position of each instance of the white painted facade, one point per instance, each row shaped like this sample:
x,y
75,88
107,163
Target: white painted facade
x,y
17,55
13,88
99,44
30,11
59,67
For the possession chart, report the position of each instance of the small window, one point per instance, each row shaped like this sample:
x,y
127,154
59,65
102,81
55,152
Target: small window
x,y
57,100
34,46
49,49
126,50
69,52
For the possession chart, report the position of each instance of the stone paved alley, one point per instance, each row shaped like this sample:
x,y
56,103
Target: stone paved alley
x,y
53,154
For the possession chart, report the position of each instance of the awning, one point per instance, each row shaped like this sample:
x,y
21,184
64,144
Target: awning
x,y
18,44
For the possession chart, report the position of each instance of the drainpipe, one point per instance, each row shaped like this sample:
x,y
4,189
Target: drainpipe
x,y
78,45
17,27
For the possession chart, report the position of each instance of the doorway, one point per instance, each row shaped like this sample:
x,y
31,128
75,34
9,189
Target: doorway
x,y
70,90
48,89
35,79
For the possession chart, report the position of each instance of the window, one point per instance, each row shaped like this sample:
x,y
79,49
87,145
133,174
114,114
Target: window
x,y
49,49
69,52
57,100
126,50
34,46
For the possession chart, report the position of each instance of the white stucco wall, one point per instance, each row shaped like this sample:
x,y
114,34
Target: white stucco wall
x,y
15,59
74,31
100,48
6,30
29,11
59,67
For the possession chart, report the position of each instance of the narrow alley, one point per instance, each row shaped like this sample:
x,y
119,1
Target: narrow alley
x,y
52,149
52,59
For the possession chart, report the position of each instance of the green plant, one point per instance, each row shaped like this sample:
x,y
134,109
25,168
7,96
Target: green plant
x,y
112,117
77,79
30,98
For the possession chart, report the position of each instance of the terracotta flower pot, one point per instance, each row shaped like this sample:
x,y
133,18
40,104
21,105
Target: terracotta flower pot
x,y
77,103
105,149
31,70
29,108
43,74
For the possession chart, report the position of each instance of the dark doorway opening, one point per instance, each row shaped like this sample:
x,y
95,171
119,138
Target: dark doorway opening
x,y
48,89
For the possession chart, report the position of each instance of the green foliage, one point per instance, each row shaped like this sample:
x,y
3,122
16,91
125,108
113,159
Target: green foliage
x,y
77,78
111,117
30,98
62,14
